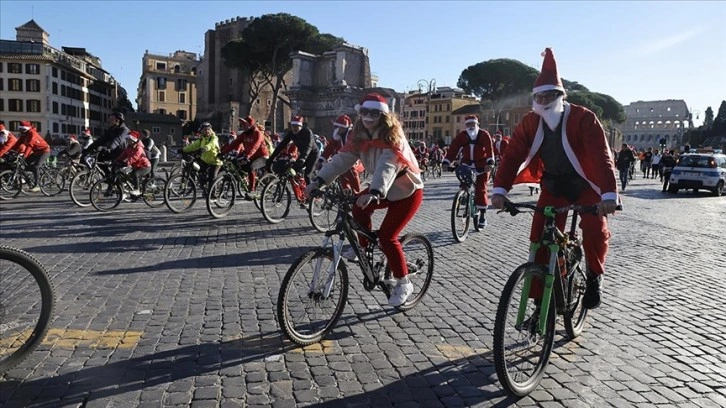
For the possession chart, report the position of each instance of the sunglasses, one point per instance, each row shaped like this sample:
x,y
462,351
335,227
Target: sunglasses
x,y
373,113
546,96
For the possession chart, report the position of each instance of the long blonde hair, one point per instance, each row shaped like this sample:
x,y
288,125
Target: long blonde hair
x,y
389,128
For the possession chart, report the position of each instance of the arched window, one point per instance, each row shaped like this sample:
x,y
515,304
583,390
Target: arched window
x,y
177,68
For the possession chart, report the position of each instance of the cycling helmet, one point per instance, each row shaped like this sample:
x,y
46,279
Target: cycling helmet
x,y
205,125
118,115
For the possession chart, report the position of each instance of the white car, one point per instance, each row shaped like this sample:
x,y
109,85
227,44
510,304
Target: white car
x,y
704,171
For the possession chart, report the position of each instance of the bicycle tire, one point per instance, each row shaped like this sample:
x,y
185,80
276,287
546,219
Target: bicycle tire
x,y
261,183
15,296
574,319
276,201
508,307
460,216
322,213
105,196
51,182
221,196
10,185
153,192
180,193
80,187
419,257
288,289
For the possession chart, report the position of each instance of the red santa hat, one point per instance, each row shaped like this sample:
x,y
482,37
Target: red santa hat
x,y
471,119
134,136
87,132
2,127
72,137
342,121
373,101
24,125
499,133
297,120
549,79
249,120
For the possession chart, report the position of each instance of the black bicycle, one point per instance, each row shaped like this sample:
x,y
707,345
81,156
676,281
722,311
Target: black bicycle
x,y
524,326
107,193
463,207
223,193
180,192
315,288
26,305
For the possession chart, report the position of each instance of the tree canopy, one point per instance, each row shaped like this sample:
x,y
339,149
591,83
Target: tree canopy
x,y
123,104
708,117
264,49
604,106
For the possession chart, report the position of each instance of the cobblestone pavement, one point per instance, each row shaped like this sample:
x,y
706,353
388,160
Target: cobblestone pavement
x,y
156,309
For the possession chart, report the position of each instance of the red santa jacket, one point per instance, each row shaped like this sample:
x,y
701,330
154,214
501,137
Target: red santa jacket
x,y
585,144
134,156
251,143
475,152
31,142
5,147
499,150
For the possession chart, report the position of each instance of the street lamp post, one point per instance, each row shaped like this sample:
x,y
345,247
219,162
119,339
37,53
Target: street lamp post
x,y
430,87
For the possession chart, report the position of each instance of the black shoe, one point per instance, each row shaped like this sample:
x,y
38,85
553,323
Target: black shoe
x,y
591,300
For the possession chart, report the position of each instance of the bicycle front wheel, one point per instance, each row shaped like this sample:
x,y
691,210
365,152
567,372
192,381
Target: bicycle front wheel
x,y
26,306
221,196
521,352
154,192
105,196
276,199
80,187
180,193
460,220
304,310
10,184
322,213
420,262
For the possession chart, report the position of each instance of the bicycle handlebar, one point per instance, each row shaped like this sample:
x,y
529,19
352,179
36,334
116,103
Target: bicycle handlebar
x,y
513,208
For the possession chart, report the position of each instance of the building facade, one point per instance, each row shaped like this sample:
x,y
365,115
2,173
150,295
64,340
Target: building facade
x,y
413,116
168,84
441,124
650,121
60,91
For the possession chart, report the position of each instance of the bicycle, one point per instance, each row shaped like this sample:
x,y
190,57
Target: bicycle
x,y
81,183
530,322
225,188
19,179
180,192
26,305
107,193
322,209
319,277
463,207
436,169
276,196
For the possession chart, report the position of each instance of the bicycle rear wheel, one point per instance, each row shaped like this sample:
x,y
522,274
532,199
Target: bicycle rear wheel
x,y
26,305
221,196
304,312
80,187
154,192
180,193
52,182
261,183
276,199
106,196
521,353
420,261
460,220
575,316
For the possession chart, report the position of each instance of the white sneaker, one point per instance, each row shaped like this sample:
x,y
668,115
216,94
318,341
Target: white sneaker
x,y
135,192
350,255
403,289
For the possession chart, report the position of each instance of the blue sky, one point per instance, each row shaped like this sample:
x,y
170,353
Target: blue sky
x,y
630,50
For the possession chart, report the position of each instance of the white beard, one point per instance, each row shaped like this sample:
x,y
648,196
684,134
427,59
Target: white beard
x,y
472,132
551,113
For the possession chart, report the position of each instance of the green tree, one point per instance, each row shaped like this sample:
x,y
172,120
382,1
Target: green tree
x,y
123,104
708,117
605,106
495,79
264,49
719,123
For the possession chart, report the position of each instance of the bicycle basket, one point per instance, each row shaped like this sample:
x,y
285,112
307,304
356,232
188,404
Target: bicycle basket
x,y
464,174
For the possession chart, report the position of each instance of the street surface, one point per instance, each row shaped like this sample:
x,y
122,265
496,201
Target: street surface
x,y
157,309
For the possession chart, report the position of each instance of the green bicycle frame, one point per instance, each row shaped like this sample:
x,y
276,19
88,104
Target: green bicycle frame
x,y
553,248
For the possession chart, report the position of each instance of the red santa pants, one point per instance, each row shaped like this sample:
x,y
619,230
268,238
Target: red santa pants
x,y
595,233
481,198
398,215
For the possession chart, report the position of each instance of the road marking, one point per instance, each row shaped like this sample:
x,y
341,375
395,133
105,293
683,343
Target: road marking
x,y
74,338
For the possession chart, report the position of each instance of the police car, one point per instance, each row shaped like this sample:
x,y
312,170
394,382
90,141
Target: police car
x,y
704,171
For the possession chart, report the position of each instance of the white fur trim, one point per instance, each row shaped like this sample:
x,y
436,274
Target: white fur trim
x,y
610,196
294,122
383,107
499,190
571,153
471,121
23,128
547,87
336,124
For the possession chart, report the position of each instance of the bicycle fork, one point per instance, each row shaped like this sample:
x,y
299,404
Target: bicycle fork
x,y
337,251
549,280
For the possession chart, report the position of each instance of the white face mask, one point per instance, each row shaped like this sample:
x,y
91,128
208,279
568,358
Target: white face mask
x,y
552,112
472,131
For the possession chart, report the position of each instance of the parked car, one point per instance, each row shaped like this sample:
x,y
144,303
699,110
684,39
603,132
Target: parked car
x,y
704,171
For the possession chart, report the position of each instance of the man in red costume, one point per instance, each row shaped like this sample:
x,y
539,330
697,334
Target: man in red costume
x,y
251,150
478,153
500,145
563,147
341,128
34,148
